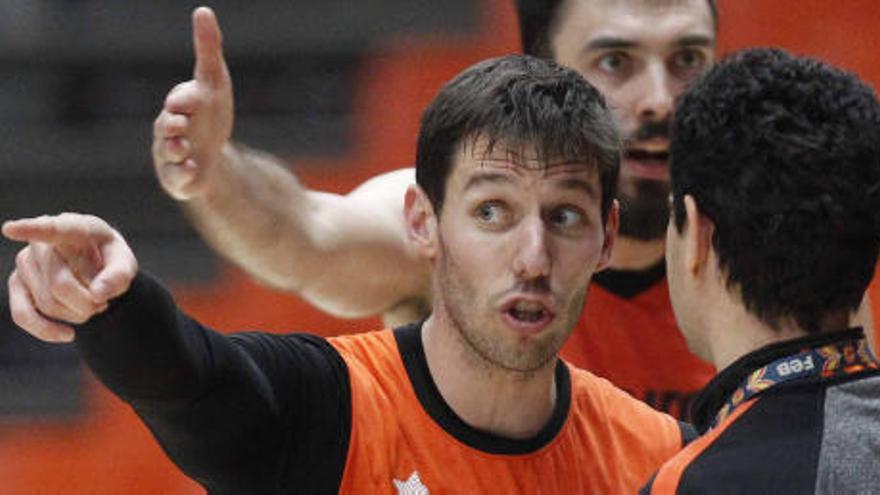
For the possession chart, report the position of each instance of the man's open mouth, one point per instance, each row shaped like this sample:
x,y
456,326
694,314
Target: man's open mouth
x,y
528,311
646,156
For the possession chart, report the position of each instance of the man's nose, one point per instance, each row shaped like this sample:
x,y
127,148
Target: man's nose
x,y
532,257
656,102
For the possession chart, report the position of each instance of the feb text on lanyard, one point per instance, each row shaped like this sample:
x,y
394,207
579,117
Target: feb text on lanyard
x,y
822,363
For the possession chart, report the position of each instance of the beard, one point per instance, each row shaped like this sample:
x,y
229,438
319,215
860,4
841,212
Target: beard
x,y
472,318
644,209
644,203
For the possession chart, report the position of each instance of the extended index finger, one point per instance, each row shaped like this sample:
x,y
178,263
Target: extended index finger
x,y
66,228
208,42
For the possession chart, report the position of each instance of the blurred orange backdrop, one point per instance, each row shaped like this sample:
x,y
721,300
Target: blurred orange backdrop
x,y
108,451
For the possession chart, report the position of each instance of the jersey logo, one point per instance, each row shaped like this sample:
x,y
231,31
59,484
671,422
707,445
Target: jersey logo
x,y
412,486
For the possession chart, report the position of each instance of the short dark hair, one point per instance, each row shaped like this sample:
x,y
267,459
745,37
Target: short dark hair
x,y
538,20
783,154
520,101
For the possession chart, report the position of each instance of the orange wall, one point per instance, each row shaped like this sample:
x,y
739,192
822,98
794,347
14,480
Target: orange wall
x,y
108,451
843,33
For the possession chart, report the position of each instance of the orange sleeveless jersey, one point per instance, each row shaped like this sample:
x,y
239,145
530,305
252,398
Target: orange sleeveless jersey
x,y
636,344
609,443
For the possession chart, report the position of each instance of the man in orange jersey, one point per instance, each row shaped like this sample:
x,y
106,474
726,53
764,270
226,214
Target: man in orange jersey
x,y
516,171
772,244
349,255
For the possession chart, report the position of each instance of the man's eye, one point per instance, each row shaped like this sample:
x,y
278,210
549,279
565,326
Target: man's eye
x,y
490,213
688,60
613,62
566,218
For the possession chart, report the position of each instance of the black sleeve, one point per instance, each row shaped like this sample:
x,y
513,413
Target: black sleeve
x,y
646,490
246,413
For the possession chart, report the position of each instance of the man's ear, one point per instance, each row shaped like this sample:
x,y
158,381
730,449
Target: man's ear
x,y
421,222
697,234
612,225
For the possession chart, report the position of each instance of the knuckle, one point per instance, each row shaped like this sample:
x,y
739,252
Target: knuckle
x,y
41,330
124,282
27,319
95,223
21,317
62,285
185,92
80,318
21,259
67,217
116,280
175,90
174,121
40,252
172,150
45,303
158,123
157,149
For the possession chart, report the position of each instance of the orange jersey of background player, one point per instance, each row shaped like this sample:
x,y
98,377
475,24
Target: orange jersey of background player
x,y
619,332
873,333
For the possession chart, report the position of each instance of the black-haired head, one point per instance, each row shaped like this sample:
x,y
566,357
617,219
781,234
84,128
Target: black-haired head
x,y
525,103
782,154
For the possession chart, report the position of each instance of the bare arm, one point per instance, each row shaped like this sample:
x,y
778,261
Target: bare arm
x,y
346,254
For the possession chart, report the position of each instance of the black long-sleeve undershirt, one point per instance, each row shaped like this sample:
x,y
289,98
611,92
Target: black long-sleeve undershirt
x,y
241,413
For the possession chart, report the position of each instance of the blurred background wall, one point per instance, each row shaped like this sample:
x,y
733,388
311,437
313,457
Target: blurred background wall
x,y
335,86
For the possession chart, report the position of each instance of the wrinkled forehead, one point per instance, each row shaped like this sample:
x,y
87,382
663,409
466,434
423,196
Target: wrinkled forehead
x,y
649,21
482,148
481,155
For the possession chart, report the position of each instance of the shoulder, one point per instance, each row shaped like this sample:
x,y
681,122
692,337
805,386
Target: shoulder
x,y
265,346
365,344
618,414
374,354
291,363
388,187
604,397
394,180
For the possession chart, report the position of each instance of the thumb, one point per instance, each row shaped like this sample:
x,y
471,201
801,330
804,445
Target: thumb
x,y
208,42
104,288
119,269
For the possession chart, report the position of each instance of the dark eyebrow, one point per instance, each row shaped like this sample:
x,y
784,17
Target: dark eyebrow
x,y
696,40
495,178
484,177
579,185
610,42
605,42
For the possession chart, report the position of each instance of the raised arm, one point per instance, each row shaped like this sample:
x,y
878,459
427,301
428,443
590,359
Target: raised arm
x,y
346,254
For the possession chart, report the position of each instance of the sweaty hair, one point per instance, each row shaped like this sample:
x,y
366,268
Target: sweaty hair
x,y
524,103
538,20
783,155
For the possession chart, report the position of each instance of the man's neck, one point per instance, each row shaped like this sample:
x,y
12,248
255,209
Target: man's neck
x,y
508,404
735,332
632,254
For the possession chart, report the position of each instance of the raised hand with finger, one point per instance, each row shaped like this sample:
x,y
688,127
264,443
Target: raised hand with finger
x,y
196,119
71,268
